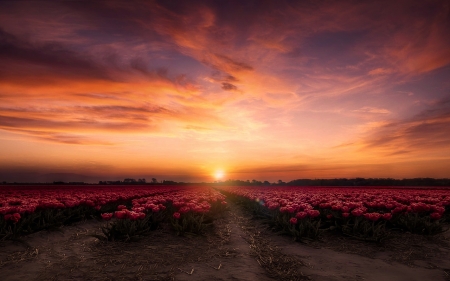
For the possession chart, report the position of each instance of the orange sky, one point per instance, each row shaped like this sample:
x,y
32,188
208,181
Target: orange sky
x,y
262,90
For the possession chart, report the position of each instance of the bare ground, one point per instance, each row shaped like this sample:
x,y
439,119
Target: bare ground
x,y
236,248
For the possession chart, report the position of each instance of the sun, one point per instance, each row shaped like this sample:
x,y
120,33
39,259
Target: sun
x,y
219,174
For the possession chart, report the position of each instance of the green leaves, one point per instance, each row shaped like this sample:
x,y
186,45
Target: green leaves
x,y
127,229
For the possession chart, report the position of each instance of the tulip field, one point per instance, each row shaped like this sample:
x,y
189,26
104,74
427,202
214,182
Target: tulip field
x,y
363,213
212,232
131,211
128,211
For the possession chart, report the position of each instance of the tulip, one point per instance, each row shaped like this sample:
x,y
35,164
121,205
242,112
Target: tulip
x,y
107,216
435,216
293,221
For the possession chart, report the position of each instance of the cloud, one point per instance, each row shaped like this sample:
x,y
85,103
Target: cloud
x,y
23,60
61,138
373,110
228,86
422,134
262,73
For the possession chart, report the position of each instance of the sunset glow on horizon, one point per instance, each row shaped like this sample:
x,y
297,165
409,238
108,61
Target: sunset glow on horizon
x,y
201,91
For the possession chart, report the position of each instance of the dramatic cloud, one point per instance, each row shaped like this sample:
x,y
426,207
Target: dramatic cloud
x,y
273,89
423,134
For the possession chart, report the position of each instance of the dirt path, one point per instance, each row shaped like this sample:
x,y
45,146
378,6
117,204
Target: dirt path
x,y
232,261
236,248
403,258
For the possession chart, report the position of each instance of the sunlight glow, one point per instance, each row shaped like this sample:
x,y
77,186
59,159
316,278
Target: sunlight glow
x,y
219,174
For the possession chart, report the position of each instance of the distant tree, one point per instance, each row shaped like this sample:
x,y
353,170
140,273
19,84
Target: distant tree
x,y
154,180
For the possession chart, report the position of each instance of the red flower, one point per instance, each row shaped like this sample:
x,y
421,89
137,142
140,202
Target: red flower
x,y
386,216
176,215
358,212
293,221
301,215
329,216
121,207
345,215
133,216
184,209
372,216
120,214
12,217
107,216
290,209
435,216
313,213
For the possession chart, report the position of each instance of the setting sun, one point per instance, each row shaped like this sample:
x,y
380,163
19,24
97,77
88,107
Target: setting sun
x,y
219,174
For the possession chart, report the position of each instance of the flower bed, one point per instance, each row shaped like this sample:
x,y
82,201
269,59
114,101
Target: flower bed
x,y
129,210
360,212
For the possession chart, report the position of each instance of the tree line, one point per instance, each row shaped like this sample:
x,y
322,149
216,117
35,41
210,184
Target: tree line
x,y
346,182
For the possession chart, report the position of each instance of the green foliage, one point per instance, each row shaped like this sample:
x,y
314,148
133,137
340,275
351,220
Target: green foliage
x,y
126,229
307,227
415,223
44,219
363,229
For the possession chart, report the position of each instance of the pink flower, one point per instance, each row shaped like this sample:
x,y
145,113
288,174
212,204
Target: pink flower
x,y
176,215
293,221
107,216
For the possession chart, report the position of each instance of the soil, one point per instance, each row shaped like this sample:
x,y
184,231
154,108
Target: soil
x,y
237,247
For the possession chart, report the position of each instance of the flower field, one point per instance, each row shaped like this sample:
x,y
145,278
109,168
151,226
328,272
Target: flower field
x,y
128,211
159,221
133,211
362,213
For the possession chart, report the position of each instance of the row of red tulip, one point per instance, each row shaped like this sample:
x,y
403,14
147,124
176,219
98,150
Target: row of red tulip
x,y
366,213
16,201
187,209
373,204
25,209
196,200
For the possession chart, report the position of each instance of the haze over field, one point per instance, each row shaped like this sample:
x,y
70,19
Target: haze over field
x,y
196,91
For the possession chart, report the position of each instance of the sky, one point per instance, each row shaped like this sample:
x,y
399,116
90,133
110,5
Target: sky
x,y
214,90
